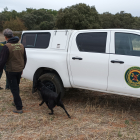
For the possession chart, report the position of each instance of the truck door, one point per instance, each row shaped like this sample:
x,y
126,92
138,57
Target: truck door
x,y
88,59
124,63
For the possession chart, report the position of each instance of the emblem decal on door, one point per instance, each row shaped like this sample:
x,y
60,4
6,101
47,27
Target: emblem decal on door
x,y
132,77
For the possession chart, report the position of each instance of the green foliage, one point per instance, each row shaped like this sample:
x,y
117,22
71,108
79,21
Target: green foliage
x,y
9,14
29,21
14,24
6,16
79,16
106,20
119,134
29,10
2,19
36,27
136,24
45,25
123,20
119,20
127,122
53,12
33,18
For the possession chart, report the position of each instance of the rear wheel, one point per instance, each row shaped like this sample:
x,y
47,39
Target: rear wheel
x,y
53,82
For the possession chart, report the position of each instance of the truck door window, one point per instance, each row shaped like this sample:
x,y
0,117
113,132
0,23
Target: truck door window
x,y
42,40
36,40
127,44
28,40
92,42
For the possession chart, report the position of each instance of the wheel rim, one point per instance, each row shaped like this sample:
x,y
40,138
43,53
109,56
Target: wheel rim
x,y
50,85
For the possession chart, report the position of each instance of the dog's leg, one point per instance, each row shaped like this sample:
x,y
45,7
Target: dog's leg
x,y
51,112
61,105
42,103
50,107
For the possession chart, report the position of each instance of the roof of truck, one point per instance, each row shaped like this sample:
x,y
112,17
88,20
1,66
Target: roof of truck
x,y
114,29
82,30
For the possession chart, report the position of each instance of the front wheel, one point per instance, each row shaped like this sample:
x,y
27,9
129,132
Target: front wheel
x,y
53,82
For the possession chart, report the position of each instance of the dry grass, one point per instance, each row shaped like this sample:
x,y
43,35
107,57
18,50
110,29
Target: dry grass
x,y
95,116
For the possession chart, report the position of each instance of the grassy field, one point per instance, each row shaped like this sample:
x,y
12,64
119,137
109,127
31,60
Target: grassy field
x,y
94,116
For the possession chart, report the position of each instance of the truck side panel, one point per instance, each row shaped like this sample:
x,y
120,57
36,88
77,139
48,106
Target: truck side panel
x,y
52,57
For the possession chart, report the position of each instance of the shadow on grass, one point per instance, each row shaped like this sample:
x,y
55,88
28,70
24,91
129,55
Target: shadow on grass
x,y
98,99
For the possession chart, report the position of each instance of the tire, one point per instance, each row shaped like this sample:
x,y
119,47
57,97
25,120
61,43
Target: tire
x,y
53,82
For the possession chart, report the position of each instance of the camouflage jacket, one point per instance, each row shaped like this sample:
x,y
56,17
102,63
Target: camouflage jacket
x,y
2,44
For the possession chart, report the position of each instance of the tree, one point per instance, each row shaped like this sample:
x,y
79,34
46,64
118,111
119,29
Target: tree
x,y
6,15
79,16
2,19
136,24
29,21
34,18
45,25
106,20
123,20
14,24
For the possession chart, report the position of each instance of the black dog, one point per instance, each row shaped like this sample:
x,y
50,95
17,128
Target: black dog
x,y
49,97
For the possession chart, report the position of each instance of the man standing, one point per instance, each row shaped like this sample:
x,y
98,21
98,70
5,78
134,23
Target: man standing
x,y
1,72
13,55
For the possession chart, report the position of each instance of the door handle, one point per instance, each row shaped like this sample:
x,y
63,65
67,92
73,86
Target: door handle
x,y
77,58
115,61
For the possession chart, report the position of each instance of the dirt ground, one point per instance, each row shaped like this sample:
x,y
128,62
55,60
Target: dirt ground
x,y
94,116
1,37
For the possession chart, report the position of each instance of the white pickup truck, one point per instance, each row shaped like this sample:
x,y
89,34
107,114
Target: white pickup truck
x,y
106,60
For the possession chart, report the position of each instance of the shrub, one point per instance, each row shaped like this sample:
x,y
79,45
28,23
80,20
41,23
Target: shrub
x,y
14,24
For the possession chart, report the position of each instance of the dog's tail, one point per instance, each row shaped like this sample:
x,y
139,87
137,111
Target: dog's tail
x,y
59,103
